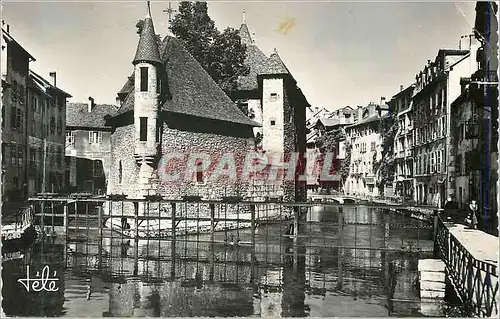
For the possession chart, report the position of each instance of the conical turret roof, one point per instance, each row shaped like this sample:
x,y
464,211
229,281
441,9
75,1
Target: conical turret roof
x,y
147,49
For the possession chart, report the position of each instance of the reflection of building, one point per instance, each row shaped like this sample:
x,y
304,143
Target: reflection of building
x,y
366,141
437,86
46,126
88,146
403,142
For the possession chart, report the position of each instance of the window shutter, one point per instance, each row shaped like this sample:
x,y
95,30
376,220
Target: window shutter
x,y
99,136
91,137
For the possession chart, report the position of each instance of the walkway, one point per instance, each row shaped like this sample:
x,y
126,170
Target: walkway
x,y
480,245
471,258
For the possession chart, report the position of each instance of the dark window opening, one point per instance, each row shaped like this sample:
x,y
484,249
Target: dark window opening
x,y
143,129
120,172
144,79
158,134
199,171
273,122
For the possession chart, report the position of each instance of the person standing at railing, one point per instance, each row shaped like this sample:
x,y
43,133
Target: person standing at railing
x,y
472,217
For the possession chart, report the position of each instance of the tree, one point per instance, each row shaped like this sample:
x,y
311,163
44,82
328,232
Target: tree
x,y
221,54
384,167
329,142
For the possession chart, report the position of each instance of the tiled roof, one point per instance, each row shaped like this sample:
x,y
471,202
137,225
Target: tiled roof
x,y
147,49
192,91
258,63
128,85
245,34
77,115
328,122
370,119
276,65
46,84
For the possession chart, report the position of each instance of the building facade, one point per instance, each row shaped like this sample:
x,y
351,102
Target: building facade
x,y
403,142
366,141
274,100
164,141
437,85
15,81
88,147
46,126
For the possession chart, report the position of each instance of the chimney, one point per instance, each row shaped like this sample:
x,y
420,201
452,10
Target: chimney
x,y
382,100
118,101
53,76
90,104
401,87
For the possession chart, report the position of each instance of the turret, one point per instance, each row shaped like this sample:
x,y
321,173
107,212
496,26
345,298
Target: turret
x,y
146,68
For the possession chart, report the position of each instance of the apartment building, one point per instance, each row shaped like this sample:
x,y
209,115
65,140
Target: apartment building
x,y
401,104
437,85
366,141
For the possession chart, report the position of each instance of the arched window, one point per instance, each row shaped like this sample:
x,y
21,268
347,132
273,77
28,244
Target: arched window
x,y
120,172
199,171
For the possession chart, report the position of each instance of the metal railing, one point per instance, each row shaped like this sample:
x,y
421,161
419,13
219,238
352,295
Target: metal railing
x,y
476,281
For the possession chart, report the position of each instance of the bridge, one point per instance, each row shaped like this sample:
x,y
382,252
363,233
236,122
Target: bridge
x,y
471,256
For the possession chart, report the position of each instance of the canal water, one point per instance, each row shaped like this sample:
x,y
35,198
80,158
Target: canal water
x,y
358,262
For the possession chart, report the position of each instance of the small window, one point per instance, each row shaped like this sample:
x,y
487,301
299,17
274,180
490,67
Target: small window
x,y
143,127
274,96
59,125
199,171
120,172
70,138
144,79
95,137
273,122
34,103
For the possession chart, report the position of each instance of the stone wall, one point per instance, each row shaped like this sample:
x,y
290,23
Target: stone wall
x,y
184,144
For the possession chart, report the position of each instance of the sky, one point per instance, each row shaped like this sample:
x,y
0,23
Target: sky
x,y
340,53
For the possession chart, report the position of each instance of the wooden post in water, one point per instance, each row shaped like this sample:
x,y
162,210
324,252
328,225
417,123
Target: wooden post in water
x,y
65,221
136,238
295,225
212,241
172,243
252,223
99,247
341,249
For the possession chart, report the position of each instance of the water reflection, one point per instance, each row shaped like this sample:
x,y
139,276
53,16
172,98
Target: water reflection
x,y
353,262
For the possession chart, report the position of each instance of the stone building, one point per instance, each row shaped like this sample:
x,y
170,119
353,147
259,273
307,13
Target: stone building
x,y
46,126
274,100
437,85
88,146
474,115
33,123
15,81
403,142
465,145
174,127
365,138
